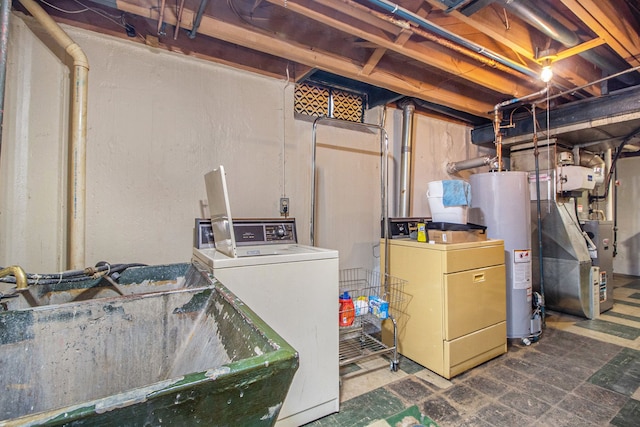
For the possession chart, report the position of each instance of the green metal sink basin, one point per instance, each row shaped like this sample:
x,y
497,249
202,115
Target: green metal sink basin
x,y
188,352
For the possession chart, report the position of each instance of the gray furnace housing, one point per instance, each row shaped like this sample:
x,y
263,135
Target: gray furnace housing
x,y
567,263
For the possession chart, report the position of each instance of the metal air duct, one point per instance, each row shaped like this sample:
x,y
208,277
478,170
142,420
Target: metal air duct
x,y
408,109
548,25
454,167
590,160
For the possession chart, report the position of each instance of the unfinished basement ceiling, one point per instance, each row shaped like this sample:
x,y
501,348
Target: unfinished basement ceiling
x,y
457,58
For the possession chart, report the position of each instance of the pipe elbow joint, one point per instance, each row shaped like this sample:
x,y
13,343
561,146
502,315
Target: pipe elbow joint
x,y
79,57
18,273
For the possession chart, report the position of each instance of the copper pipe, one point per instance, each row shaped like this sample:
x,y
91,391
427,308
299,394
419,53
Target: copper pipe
x,y
161,15
180,9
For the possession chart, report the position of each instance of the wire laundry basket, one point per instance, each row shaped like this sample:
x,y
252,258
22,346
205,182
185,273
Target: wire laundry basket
x,y
375,299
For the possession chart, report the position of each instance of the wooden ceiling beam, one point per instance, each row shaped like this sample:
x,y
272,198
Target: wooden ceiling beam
x,y
456,65
313,57
610,24
378,53
516,36
211,50
351,8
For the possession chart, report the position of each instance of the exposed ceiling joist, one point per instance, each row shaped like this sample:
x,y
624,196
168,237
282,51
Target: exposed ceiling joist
x,y
604,19
457,59
431,56
243,36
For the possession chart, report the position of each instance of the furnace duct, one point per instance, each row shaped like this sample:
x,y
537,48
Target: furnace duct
x,y
453,167
408,109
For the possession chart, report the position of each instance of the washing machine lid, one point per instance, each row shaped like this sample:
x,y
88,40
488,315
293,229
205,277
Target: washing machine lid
x,y
220,212
222,227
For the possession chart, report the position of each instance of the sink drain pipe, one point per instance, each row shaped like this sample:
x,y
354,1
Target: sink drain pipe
x,y
77,162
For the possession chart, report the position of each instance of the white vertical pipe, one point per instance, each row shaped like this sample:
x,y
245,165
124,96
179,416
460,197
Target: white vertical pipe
x,y
78,143
5,12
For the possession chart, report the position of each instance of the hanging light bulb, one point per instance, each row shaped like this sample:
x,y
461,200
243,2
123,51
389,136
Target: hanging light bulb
x,y
546,74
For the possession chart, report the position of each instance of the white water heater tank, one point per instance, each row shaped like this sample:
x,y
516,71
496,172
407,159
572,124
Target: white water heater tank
x,y
501,202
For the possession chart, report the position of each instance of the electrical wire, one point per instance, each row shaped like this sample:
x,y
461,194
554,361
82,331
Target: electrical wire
x,y
251,22
98,11
59,9
119,20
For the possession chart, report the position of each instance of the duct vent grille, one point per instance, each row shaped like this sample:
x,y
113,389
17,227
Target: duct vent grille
x,y
323,101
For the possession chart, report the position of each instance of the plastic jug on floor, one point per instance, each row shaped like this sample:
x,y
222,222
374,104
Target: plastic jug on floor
x,y
347,311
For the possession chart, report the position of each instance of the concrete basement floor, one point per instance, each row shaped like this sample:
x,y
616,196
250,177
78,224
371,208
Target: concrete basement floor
x,y
580,373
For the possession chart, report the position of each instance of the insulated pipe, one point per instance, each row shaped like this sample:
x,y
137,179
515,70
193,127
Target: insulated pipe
x,y
78,143
453,167
416,19
408,108
5,12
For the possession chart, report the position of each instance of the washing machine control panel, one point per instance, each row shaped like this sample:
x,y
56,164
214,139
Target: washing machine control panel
x,y
250,231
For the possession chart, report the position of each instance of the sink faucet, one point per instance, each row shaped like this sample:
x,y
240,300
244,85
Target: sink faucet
x,y
18,273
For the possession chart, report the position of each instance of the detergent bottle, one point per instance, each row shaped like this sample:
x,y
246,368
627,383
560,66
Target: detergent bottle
x,y
347,311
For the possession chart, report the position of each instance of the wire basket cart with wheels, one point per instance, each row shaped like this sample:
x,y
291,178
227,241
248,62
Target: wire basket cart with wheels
x,y
367,300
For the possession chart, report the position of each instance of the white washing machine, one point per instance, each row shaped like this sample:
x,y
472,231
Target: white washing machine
x,y
295,292
293,288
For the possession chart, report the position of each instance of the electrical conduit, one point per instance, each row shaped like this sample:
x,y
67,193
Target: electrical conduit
x,y
78,143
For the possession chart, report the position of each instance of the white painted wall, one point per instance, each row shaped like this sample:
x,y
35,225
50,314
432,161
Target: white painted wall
x,y
157,122
627,260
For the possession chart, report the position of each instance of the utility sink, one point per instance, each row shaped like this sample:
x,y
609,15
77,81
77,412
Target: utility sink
x,y
175,351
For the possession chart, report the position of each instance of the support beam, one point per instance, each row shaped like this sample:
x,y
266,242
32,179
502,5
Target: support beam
x,y
610,24
516,36
379,52
263,42
438,57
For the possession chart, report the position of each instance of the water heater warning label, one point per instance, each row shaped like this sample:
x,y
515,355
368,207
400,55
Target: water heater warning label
x,y
522,269
521,256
